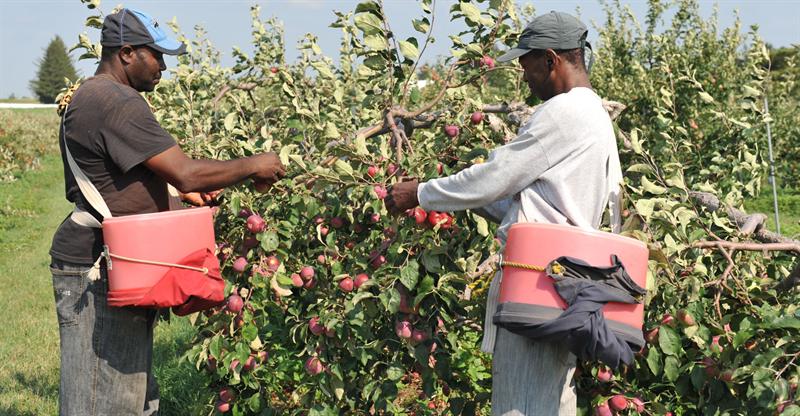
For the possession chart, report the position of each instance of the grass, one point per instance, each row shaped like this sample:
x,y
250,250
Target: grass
x,y
31,207
788,210
22,100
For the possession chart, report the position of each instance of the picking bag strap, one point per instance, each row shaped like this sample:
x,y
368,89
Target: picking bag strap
x,y
89,191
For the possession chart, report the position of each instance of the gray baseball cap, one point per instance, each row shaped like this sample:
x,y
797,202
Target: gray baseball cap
x,y
554,30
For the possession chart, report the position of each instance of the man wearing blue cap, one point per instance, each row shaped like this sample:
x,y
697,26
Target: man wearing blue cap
x,y
563,168
122,151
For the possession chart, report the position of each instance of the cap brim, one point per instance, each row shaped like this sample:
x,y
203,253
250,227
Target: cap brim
x,y
512,54
169,46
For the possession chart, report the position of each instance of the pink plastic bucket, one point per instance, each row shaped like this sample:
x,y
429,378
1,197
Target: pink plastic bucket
x,y
539,244
164,237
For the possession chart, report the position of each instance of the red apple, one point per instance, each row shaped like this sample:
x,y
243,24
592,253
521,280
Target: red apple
x,y
686,317
667,319
235,303
273,263
211,364
451,130
323,231
262,356
380,191
419,215
314,366
256,224
439,168
310,284
360,279
418,336
226,394
378,261
391,169
602,409
240,264
346,284
330,332
651,336
487,61
307,272
726,376
372,171
618,402
234,364
476,117
337,222
321,259
315,326
274,69
715,347
638,404
223,407
604,374
374,218
318,220
249,242
403,329
297,281
250,364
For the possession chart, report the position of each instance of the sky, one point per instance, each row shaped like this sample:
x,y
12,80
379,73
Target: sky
x,y
27,26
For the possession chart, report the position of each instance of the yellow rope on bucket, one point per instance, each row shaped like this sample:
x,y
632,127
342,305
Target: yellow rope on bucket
x,y
557,268
203,270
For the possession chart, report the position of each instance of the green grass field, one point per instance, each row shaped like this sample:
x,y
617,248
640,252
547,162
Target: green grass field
x,y
788,210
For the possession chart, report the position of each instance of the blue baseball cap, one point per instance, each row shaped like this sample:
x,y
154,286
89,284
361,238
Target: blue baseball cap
x,y
132,27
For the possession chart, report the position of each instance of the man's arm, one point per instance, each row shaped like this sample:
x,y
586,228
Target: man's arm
x,y
495,211
204,175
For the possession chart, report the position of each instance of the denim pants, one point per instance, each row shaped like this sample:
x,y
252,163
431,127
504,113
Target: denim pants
x,y
532,378
106,352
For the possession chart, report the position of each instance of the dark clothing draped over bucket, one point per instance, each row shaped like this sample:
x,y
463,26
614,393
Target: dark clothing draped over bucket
x,y
582,326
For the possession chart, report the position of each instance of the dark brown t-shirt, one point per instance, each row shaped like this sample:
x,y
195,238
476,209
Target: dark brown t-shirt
x,y
110,131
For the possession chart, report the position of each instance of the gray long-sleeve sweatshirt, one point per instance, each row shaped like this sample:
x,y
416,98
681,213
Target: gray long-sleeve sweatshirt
x,y
561,169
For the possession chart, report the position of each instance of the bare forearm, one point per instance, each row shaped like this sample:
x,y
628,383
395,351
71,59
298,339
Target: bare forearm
x,y
203,175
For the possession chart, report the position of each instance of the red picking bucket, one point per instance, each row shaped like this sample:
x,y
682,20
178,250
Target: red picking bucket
x,y
165,237
539,244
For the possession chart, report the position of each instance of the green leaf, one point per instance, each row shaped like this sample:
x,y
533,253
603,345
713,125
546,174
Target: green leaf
x,y
409,275
230,121
376,42
368,23
249,332
269,241
331,132
471,12
654,361
651,187
645,207
481,225
669,341
342,167
421,25
409,50
323,69
706,97
671,368
394,373
337,385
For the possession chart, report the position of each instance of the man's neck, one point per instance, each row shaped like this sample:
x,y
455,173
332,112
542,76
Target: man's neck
x,y
112,72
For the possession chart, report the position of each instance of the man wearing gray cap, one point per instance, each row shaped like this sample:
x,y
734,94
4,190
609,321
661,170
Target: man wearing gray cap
x,y
562,168
122,151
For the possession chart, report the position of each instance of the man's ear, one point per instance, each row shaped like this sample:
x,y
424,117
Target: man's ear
x,y
551,58
126,54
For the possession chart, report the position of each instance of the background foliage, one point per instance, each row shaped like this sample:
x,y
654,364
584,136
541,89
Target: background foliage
x,y
54,67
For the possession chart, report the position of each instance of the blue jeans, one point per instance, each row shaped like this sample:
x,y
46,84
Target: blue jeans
x,y
106,352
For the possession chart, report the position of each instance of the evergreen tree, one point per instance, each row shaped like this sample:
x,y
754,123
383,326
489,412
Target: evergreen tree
x,y
53,68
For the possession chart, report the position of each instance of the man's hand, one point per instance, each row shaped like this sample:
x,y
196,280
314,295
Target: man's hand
x,y
402,196
269,170
201,199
